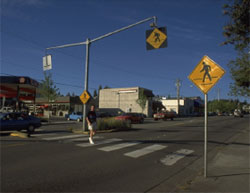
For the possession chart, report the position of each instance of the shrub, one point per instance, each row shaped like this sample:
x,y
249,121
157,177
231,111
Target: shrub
x,y
111,123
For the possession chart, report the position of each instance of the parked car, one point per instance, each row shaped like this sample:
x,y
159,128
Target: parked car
x,y
18,121
103,114
238,113
6,109
164,115
131,117
75,116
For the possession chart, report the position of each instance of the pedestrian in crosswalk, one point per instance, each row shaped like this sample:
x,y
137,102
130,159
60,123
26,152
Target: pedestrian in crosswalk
x,y
91,120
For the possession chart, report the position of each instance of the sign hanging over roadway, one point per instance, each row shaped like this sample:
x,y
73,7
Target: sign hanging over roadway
x,y
47,62
206,74
156,38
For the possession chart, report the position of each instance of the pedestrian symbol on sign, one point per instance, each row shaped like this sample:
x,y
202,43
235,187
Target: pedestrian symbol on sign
x,y
157,37
206,68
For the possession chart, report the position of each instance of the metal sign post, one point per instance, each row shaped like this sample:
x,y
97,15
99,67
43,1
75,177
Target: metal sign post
x,y
205,137
87,43
205,75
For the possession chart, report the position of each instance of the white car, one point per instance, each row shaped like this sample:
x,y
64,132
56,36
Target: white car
x,y
238,113
6,109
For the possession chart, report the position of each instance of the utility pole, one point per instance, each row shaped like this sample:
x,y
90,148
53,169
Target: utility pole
x,y
178,84
218,94
88,42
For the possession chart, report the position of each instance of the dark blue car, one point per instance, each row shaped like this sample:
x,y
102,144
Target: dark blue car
x,y
18,121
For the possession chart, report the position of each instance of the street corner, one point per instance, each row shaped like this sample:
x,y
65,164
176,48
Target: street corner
x,y
78,131
20,134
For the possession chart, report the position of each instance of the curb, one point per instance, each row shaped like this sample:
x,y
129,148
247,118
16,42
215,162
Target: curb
x,y
19,134
57,123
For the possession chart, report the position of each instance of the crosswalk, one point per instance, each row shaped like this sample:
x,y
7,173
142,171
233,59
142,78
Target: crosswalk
x,y
116,144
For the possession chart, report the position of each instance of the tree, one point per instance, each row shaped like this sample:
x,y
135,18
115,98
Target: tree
x,y
99,88
95,93
237,30
222,106
237,33
142,100
47,88
240,71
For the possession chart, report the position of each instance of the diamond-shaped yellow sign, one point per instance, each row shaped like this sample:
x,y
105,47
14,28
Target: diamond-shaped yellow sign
x,y
85,97
157,38
206,74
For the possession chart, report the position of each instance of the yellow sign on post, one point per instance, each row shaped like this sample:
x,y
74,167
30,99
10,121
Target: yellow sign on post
x,y
206,74
85,97
156,38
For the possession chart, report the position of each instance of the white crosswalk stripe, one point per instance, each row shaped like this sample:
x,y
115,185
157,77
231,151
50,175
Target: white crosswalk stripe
x,y
171,159
119,146
62,137
99,142
79,139
145,151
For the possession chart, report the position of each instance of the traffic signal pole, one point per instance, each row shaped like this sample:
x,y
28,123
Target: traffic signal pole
x,y
87,43
86,83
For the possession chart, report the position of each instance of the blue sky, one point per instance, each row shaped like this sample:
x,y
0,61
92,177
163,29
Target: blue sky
x,y
194,29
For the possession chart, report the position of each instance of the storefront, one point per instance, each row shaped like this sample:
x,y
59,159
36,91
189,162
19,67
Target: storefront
x,y
17,91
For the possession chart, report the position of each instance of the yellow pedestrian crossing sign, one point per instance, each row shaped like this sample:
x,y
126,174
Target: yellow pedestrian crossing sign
x,y
156,38
206,74
85,96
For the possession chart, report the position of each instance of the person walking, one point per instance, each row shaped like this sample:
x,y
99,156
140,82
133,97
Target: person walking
x,y
91,120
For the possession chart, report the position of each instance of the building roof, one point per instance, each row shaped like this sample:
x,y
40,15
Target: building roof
x,y
18,80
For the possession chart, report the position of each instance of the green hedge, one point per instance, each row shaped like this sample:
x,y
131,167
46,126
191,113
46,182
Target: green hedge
x,y
111,123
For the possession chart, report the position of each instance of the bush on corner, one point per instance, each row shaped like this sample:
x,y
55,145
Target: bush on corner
x,y
111,123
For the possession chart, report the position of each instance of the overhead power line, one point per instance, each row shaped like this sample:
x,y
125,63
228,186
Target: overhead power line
x,y
111,67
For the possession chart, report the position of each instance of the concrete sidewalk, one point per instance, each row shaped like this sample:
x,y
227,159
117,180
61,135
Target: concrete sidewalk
x,y
229,170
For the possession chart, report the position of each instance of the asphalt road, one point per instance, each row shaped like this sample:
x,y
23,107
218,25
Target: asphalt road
x,y
139,160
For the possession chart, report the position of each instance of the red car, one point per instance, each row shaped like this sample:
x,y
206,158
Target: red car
x,y
164,115
132,117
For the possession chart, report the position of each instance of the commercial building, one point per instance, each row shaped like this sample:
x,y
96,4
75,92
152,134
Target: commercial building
x,y
17,91
119,100
61,106
188,106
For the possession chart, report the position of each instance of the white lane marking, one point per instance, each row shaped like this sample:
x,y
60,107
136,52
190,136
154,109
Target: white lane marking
x,y
85,138
118,146
145,151
174,157
62,137
98,143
